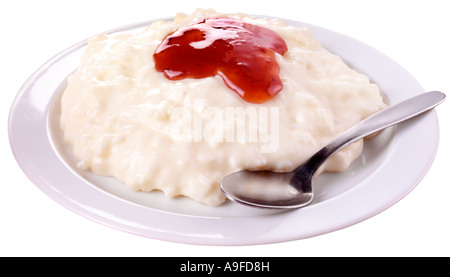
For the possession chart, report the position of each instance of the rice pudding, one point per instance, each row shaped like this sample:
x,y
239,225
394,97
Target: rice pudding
x,y
125,118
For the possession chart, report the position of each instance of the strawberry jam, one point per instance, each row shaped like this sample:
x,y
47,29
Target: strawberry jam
x,y
242,54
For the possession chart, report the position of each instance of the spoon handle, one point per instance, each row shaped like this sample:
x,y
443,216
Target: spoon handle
x,y
378,121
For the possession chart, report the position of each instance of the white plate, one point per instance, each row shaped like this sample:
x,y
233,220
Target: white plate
x,y
383,174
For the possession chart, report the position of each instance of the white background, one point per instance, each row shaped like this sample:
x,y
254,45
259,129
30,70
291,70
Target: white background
x,y
413,33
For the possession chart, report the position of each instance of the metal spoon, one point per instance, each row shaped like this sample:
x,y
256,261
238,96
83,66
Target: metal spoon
x,y
265,189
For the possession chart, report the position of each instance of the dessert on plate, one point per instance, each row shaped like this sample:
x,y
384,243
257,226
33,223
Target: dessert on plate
x,y
178,105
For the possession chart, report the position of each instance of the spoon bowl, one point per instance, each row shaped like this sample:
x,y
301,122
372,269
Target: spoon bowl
x,y
293,190
276,192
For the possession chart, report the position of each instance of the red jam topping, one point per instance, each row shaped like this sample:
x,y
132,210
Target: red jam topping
x,y
242,54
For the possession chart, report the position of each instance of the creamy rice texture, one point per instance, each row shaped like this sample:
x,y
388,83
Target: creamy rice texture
x,y
124,119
